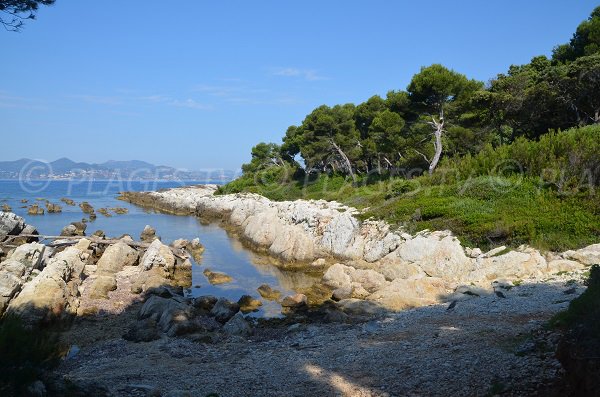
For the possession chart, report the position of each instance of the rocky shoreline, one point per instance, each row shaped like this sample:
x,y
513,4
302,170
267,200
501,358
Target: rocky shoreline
x,y
388,303
366,261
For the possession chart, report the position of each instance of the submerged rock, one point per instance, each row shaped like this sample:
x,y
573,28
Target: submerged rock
x,y
87,208
53,208
268,293
35,209
216,277
196,249
104,211
67,201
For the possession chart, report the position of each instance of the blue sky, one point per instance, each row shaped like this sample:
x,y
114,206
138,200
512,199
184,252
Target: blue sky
x,y
196,86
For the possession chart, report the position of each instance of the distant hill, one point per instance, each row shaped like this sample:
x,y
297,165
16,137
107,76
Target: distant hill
x,y
65,168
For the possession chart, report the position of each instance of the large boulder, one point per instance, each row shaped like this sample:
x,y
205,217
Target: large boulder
x,y
512,265
10,224
349,282
16,269
439,254
158,255
54,291
224,309
116,257
101,286
589,255
402,294
238,326
339,234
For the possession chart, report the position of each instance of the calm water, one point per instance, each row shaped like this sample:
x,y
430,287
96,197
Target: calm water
x,y
223,253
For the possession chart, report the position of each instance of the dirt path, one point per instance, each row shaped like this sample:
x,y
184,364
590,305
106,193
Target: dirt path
x,y
482,346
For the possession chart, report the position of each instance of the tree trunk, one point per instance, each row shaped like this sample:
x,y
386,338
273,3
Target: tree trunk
x,y
346,160
437,144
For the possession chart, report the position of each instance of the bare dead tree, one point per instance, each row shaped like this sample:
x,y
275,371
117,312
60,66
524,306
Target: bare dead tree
x,y
345,158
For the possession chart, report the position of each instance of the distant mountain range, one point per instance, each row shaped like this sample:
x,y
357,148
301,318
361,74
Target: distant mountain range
x,y
65,168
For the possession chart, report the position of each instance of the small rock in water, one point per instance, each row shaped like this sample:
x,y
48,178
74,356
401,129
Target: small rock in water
x,y
196,249
6,208
53,208
249,304
104,211
87,208
35,210
216,277
67,201
296,300
268,293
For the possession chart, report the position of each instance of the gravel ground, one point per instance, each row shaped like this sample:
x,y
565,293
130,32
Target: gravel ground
x,y
483,346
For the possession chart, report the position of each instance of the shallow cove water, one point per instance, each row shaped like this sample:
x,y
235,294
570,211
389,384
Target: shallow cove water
x,y
223,252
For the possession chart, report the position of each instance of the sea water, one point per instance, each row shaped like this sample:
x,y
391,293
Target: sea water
x,y
223,253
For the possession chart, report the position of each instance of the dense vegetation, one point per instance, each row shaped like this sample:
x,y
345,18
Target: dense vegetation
x,y
487,161
25,355
579,348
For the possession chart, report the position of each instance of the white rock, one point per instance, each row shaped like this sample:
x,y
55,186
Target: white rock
x,y
589,255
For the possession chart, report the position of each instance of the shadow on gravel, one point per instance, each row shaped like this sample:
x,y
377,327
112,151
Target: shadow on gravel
x,y
170,345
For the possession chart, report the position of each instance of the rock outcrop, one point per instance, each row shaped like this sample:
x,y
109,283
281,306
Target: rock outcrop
x,y
51,293
375,263
17,269
12,226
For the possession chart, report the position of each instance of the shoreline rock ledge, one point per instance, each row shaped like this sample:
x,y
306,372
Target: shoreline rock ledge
x,y
365,260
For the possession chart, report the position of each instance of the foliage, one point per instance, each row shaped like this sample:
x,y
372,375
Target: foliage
x,y
17,11
585,41
25,354
585,309
541,193
519,156
565,161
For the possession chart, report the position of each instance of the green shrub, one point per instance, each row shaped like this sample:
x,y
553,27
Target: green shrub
x,y
24,355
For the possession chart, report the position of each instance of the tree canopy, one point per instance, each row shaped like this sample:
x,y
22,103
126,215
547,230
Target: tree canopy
x,y
443,113
14,13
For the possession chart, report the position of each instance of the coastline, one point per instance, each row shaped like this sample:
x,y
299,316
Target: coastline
x,y
366,260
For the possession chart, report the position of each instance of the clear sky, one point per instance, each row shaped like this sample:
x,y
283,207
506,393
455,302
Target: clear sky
x,y
198,84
